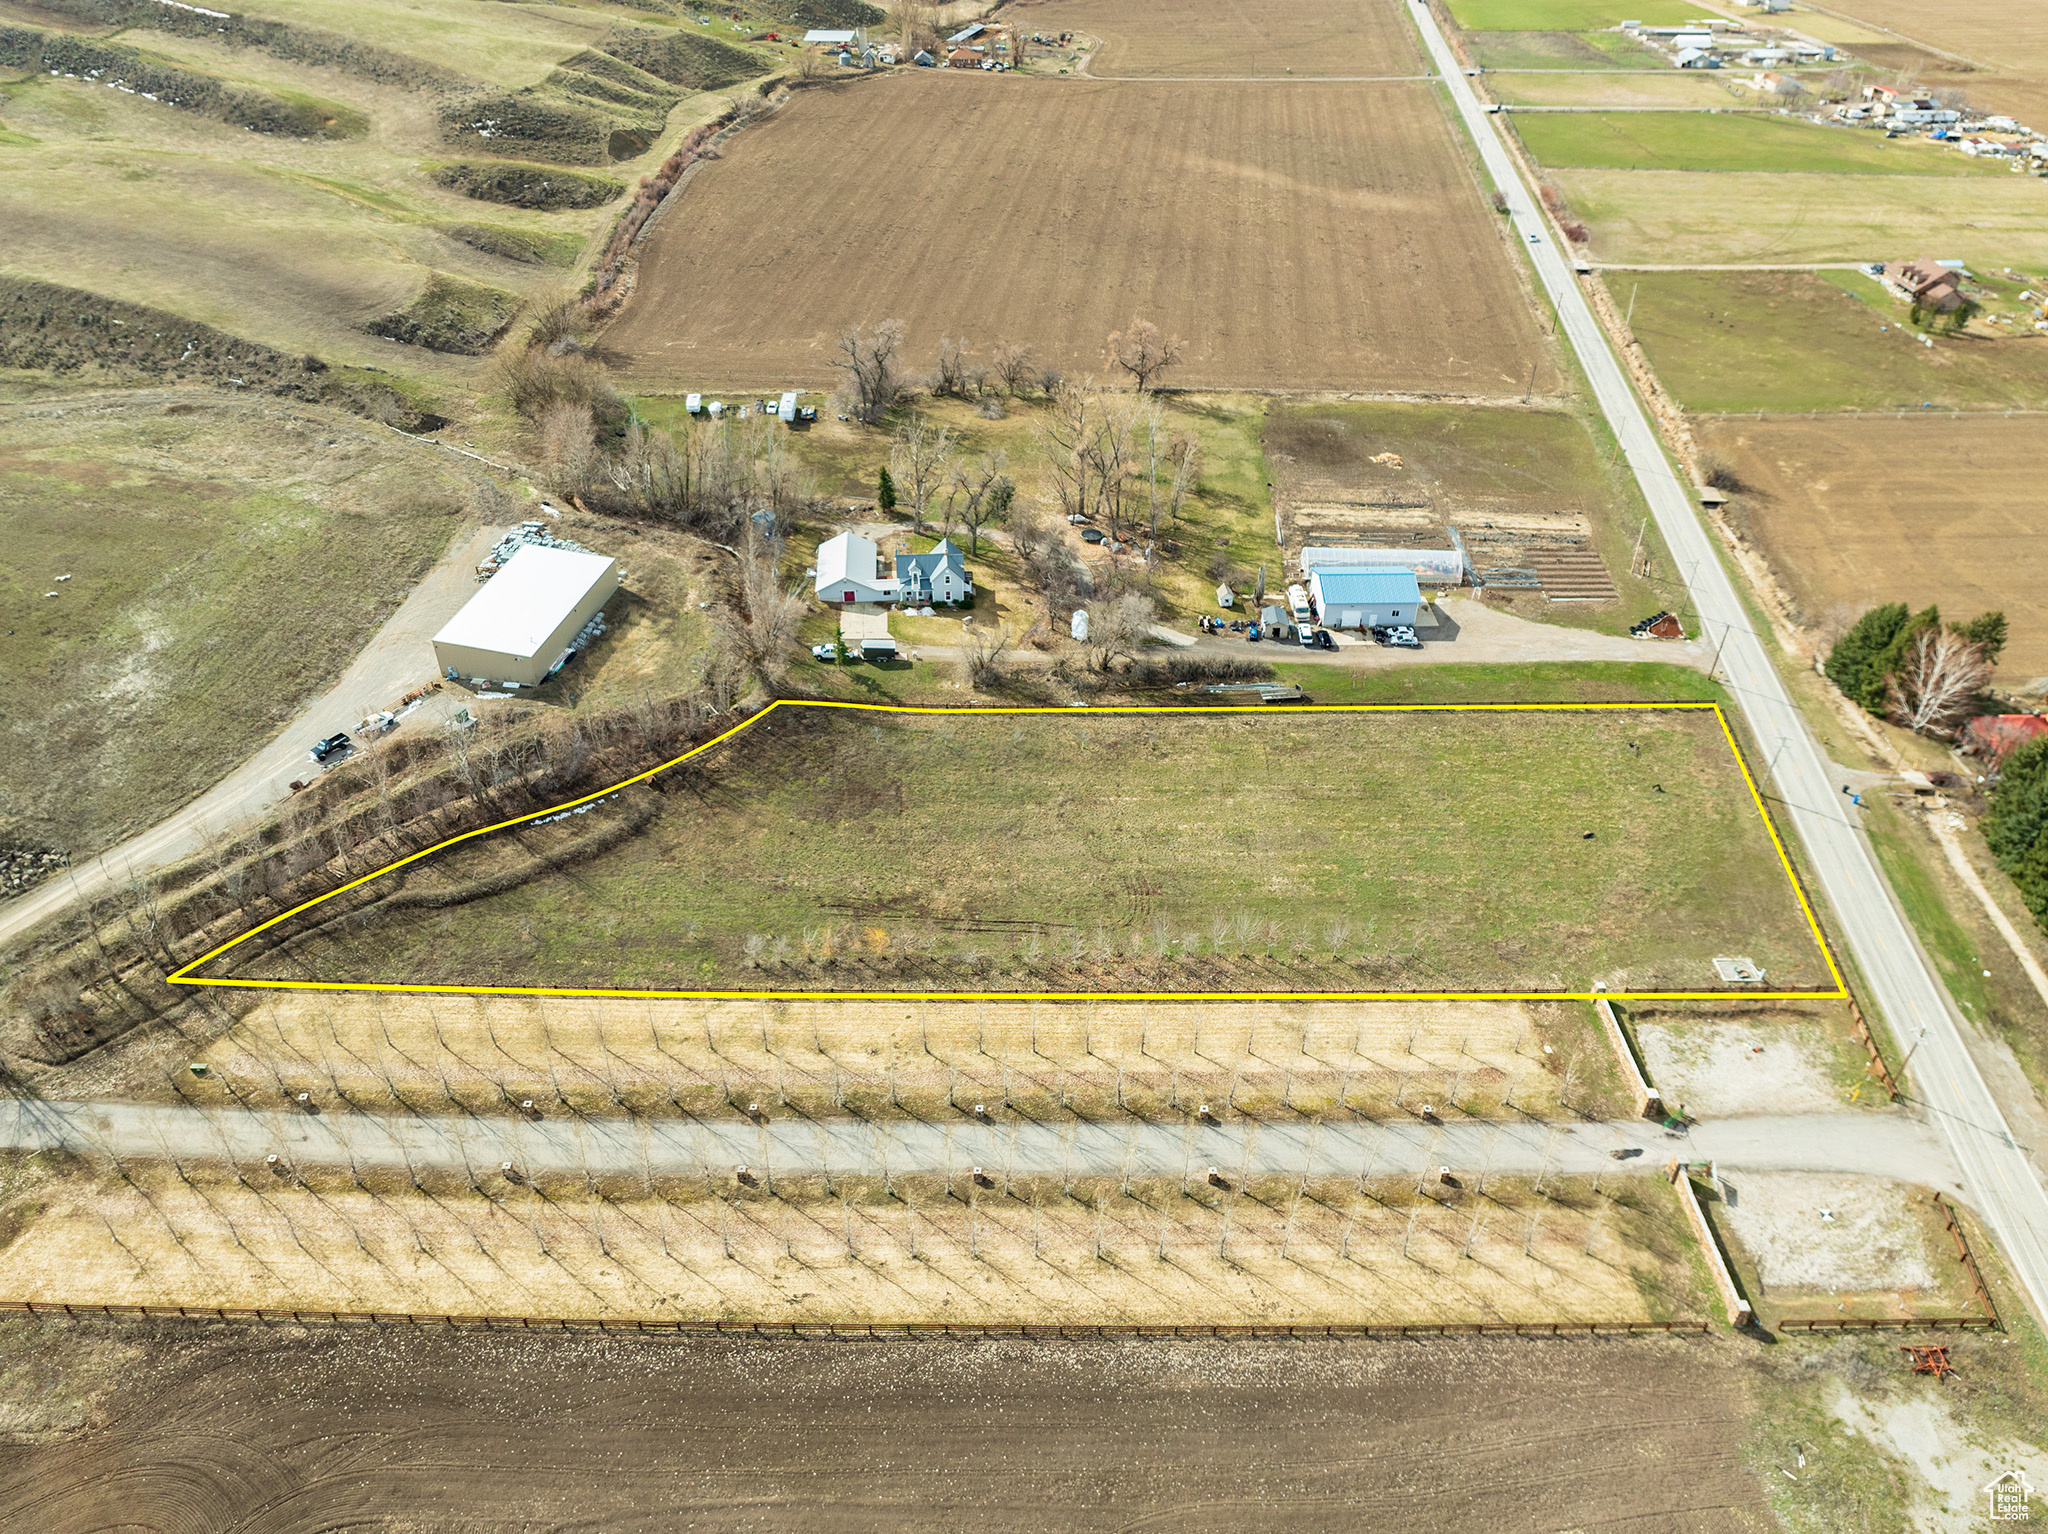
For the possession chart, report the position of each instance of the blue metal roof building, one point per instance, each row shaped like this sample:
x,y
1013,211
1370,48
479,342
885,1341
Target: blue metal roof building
x,y
1347,597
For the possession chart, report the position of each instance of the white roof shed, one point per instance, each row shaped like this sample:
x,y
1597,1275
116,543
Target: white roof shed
x,y
518,628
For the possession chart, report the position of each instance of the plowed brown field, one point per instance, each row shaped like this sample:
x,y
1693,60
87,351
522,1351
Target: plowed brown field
x,y
287,1429
1233,37
1933,508
1297,236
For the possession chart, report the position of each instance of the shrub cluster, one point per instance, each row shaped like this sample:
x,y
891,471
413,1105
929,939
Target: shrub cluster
x,y
1866,663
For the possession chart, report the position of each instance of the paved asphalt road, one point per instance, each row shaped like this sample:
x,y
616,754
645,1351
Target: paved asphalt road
x,y
1998,1178
1884,1144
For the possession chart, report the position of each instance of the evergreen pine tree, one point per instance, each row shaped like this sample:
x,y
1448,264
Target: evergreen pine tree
x,y
1855,662
885,492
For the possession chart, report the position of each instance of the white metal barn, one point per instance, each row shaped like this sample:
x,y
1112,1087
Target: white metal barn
x,y
1354,598
848,571
518,628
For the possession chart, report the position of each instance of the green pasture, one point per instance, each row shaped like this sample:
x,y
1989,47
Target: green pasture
x,y
1730,141
1239,851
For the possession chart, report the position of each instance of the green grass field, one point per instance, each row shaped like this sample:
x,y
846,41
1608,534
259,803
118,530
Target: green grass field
x,y
1607,51
224,565
1568,15
1252,852
1730,142
1775,218
1736,341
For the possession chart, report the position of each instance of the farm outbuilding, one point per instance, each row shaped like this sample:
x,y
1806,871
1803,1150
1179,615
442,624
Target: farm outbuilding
x,y
519,627
847,572
1349,598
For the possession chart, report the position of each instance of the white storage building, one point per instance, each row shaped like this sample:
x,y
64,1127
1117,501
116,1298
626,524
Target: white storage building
x,y
848,571
518,628
1356,598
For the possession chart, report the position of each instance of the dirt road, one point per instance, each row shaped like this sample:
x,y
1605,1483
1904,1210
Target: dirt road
x,y
200,1431
1890,1144
395,661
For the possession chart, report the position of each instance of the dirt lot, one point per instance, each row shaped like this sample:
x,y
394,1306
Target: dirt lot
x,y
1335,225
336,1430
1782,1065
1808,1243
834,851
1841,507
1217,37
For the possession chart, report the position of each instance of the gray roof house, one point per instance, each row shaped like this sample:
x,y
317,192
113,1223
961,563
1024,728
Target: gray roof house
x,y
938,575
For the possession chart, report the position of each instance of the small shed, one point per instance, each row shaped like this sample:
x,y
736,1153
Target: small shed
x,y
1348,598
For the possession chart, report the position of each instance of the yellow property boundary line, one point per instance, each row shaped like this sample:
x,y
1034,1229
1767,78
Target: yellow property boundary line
x,y
184,976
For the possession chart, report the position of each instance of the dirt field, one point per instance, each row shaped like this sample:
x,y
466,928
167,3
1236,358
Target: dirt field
x,y
1515,483
897,1249
825,850
219,566
1342,242
338,1430
1840,505
1219,37
893,1060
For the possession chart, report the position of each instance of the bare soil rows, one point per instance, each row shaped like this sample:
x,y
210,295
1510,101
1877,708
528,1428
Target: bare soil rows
x,y
1853,511
894,1060
1303,237
1229,37
862,1250
215,1429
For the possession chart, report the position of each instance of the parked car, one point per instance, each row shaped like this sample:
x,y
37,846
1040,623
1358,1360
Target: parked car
x,y
1400,638
824,652
1318,639
337,744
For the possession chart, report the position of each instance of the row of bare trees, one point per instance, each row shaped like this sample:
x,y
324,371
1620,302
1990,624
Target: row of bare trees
x,y
1114,457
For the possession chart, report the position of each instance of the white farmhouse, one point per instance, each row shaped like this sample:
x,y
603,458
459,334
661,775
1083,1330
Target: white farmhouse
x,y
848,571
939,575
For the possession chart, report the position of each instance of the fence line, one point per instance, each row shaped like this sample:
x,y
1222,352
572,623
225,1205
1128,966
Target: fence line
x,y
1889,1323
830,1330
1967,1258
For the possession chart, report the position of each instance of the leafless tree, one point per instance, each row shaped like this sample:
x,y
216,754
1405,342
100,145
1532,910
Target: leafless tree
x,y
1937,684
868,358
769,610
1141,351
919,461
949,376
982,493
1013,366
1118,628
983,647
1185,455
1111,455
